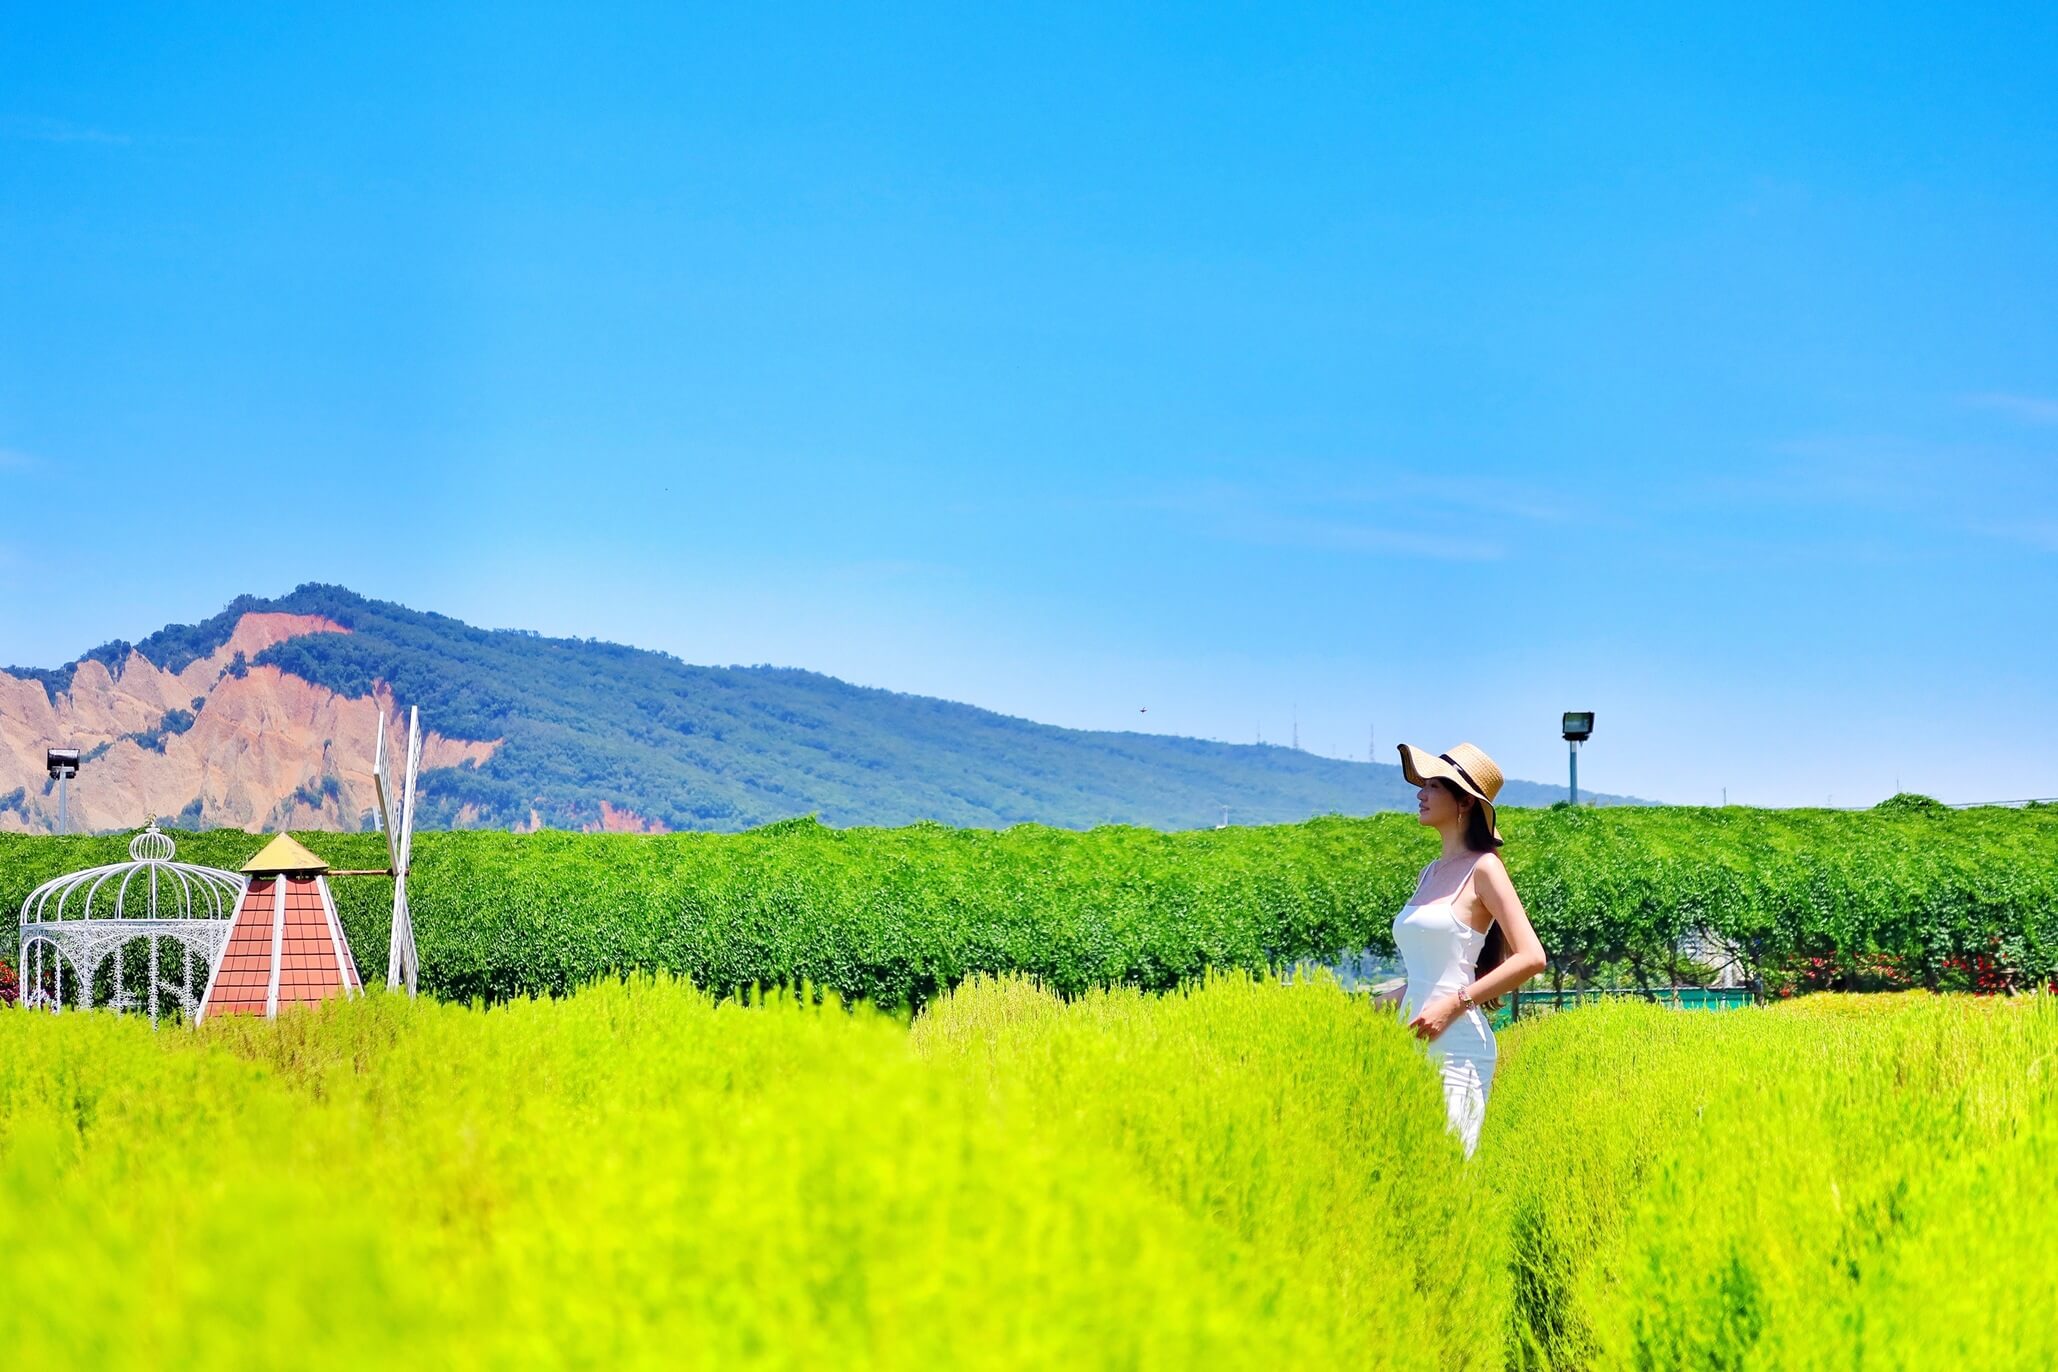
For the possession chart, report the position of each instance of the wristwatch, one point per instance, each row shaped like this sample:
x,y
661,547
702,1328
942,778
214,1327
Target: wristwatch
x,y
1465,999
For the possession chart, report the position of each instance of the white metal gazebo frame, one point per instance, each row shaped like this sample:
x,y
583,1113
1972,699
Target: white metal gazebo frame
x,y
83,919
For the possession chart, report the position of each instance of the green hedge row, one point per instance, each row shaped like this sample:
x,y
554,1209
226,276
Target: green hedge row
x,y
894,915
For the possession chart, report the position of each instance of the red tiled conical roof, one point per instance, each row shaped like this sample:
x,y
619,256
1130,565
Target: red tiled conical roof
x,y
285,947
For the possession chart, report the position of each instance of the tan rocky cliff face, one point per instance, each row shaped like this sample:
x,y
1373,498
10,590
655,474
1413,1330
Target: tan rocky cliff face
x,y
266,750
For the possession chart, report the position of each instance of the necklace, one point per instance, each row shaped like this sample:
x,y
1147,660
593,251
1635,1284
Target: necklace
x,y
1429,875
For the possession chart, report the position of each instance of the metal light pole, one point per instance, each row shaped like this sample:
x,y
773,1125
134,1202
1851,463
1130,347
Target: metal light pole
x,y
63,765
1578,727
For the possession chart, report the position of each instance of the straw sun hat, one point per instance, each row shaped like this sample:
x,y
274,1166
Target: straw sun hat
x,y
1464,766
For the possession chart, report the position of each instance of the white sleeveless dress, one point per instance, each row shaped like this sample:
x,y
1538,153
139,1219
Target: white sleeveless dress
x,y
1441,952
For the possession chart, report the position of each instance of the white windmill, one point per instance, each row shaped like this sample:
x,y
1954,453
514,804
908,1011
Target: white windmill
x,y
402,965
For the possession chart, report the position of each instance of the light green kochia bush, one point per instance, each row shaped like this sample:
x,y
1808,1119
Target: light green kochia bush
x,y
895,916
1836,1182
1239,1173
1301,1120
637,1175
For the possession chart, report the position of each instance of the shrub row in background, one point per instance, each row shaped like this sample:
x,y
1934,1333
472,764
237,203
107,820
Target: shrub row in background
x,y
1938,898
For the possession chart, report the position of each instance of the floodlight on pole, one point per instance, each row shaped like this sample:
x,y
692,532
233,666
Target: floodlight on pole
x,y
63,765
1578,726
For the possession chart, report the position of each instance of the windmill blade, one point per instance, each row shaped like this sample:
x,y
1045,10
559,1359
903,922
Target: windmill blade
x,y
400,936
383,789
400,954
397,937
403,963
414,764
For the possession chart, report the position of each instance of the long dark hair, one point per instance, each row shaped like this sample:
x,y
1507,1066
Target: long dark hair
x,y
1479,838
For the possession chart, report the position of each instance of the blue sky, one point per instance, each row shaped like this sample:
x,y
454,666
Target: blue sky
x,y
1425,371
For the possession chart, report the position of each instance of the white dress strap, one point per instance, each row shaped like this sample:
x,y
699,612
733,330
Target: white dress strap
x,y
1461,891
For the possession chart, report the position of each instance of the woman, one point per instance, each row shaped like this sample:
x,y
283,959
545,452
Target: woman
x,y
1469,944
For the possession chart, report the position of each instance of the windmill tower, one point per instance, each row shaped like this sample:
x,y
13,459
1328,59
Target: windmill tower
x,y
285,944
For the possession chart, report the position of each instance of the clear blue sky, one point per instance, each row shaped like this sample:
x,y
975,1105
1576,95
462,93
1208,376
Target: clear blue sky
x,y
1436,371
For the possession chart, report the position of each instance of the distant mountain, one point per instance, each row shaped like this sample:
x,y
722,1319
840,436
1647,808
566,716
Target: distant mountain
x,y
263,717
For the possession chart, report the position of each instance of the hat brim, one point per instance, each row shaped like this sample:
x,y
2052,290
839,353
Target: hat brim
x,y
1421,768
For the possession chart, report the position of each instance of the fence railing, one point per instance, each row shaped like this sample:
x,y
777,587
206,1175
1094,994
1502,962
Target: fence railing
x,y
1529,1002
1365,973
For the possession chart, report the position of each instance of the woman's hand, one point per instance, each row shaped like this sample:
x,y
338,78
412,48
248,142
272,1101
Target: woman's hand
x,y
1436,1016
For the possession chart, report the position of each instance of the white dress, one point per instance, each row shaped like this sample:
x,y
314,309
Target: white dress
x,y
1441,952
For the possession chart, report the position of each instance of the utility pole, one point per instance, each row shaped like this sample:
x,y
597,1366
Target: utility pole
x,y
1296,728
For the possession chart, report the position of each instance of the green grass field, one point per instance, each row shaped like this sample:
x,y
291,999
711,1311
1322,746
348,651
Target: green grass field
x,y
1239,1174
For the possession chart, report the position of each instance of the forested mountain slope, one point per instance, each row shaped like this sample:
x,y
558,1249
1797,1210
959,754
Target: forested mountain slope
x,y
263,717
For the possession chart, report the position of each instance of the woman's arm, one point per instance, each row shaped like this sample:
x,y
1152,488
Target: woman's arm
x,y
1525,951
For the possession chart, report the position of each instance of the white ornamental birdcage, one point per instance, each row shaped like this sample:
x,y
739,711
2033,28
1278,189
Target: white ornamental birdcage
x,y
73,925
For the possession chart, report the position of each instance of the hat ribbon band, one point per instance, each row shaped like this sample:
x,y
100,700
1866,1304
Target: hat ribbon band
x,y
1463,773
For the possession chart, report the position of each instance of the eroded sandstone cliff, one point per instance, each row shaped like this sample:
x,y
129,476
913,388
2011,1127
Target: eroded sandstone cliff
x,y
219,743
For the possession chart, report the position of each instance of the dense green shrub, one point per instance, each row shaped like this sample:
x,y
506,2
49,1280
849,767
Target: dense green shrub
x,y
1837,1182
637,1176
1963,899
1912,803
1237,1174
1296,1119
